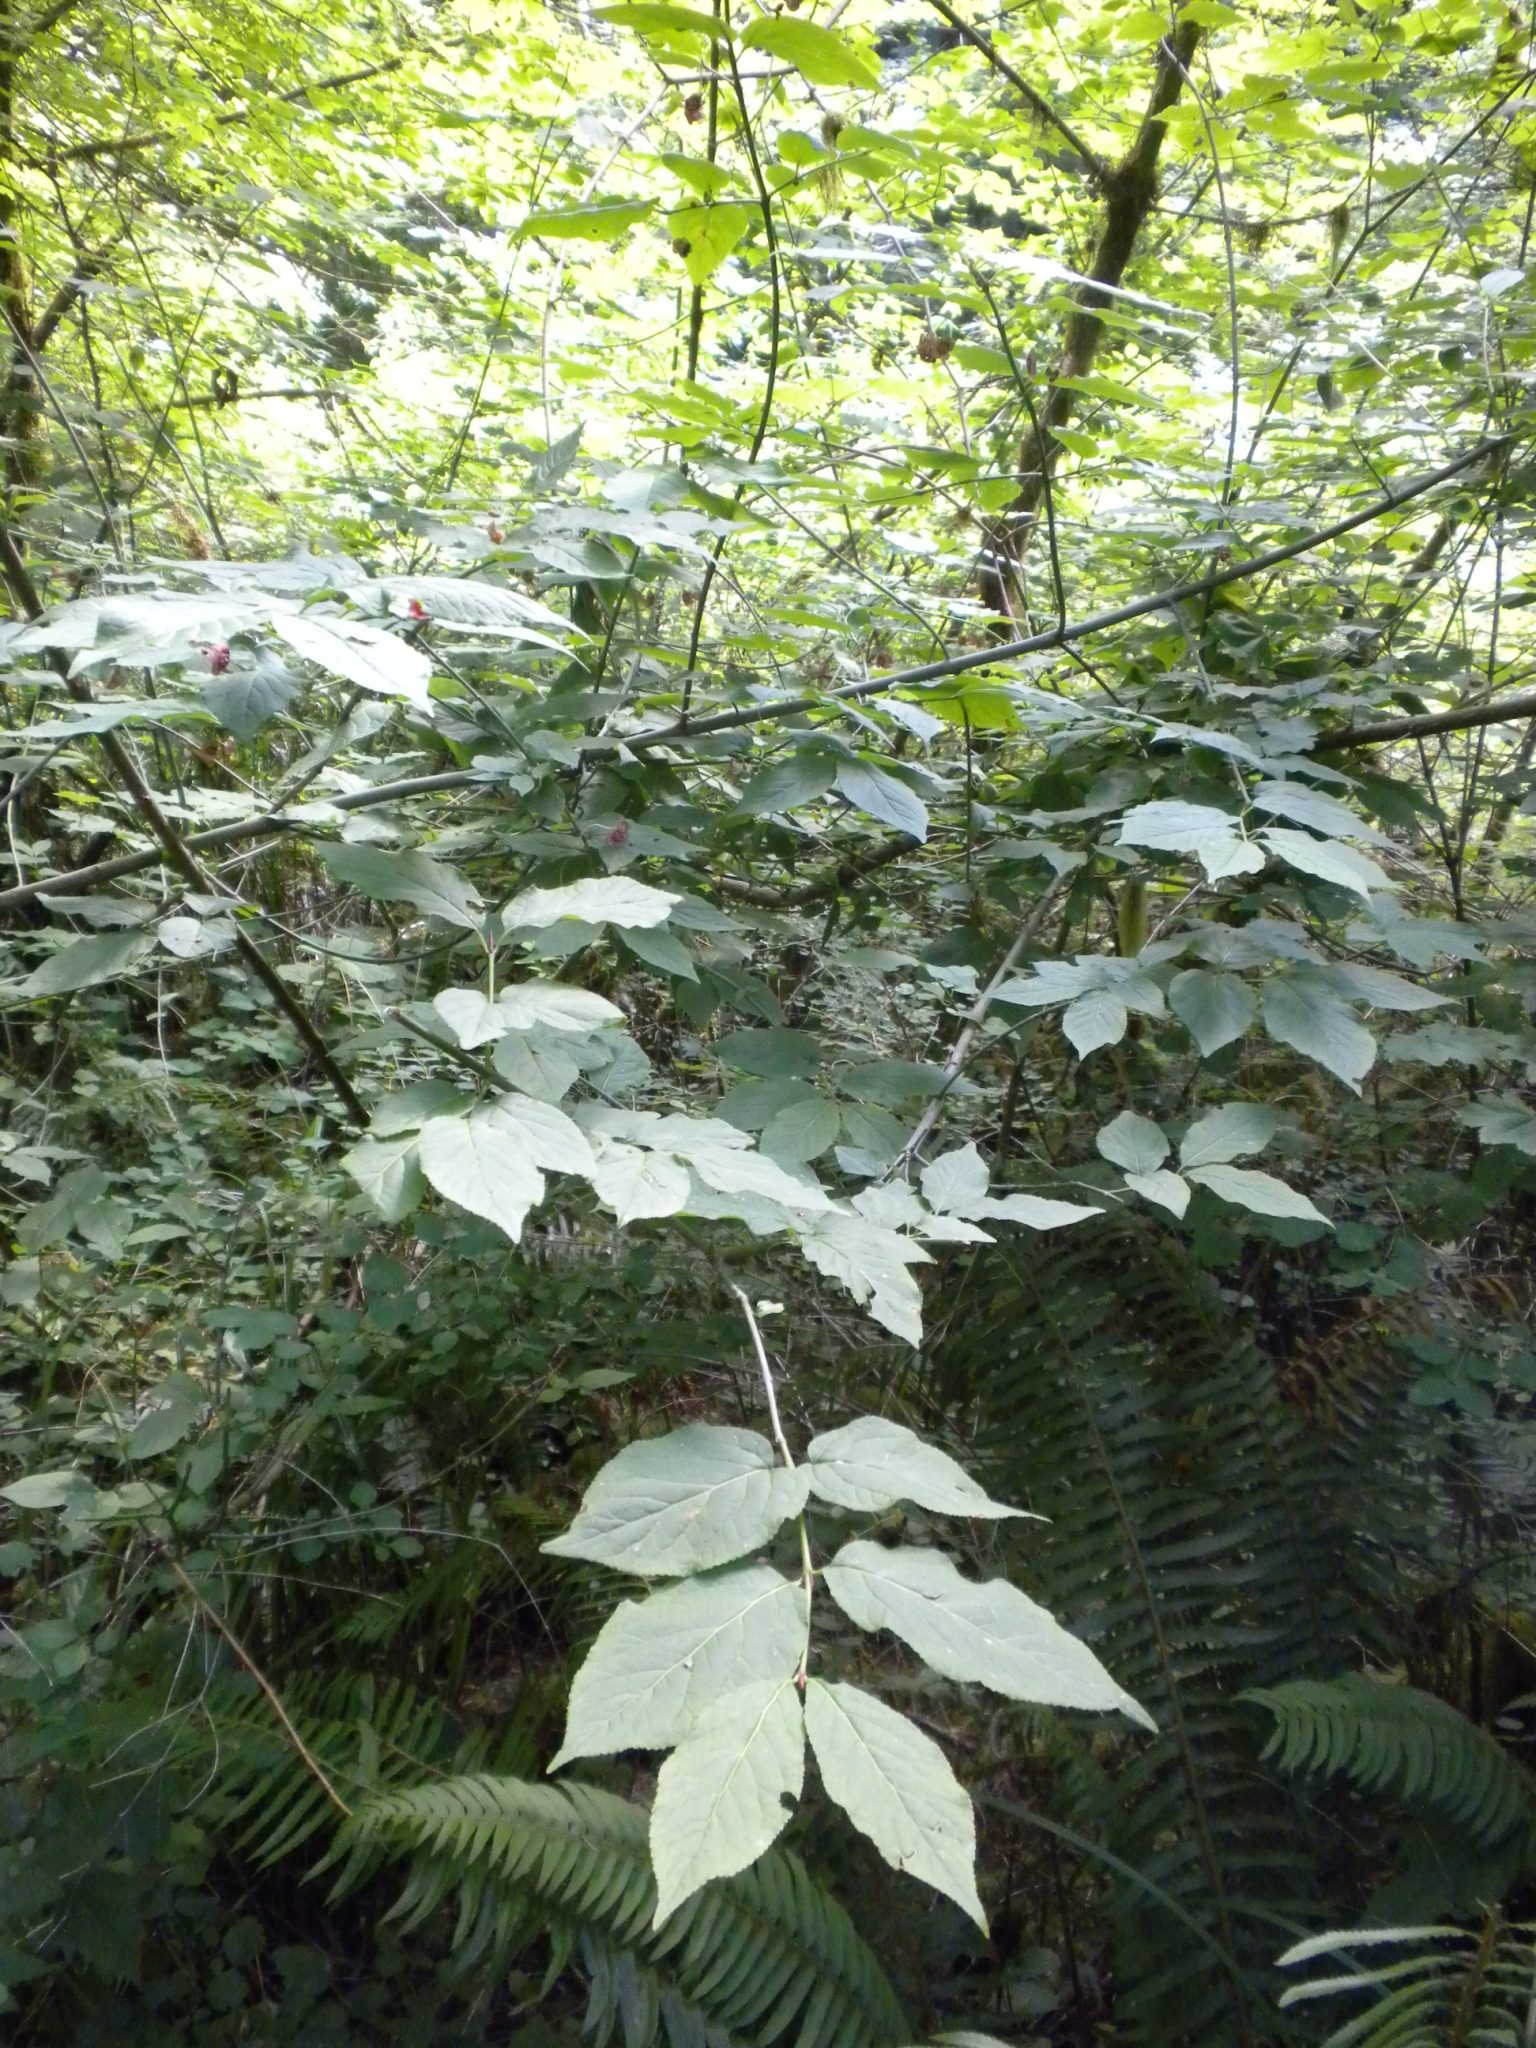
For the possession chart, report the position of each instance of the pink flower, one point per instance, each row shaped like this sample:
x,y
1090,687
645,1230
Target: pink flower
x,y
218,658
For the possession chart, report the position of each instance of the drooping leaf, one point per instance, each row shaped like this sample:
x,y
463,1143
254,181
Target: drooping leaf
x,y
705,235
895,1785
957,1182
1303,1015
387,1172
636,1183
727,1790
884,796
989,1634
252,690
1213,837
604,220
658,1663
430,885
818,54
1094,1019
363,655
684,1502
1329,859
85,963
1260,1192
871,1464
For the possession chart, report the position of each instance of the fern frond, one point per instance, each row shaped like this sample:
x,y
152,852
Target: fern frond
x,y
766,1955
1396,1741
1427,1987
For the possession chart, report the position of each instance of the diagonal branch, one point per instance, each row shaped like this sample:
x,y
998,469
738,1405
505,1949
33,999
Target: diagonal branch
x,y
1089,157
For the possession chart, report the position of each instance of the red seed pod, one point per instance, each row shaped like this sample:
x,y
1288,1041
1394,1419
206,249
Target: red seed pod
x,y
416,609
617,834
218,658
496,534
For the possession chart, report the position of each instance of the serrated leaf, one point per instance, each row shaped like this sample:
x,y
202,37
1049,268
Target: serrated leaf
x,y
883,796
1170,826
801,1131
1304,805
536,1063
1381,989
1213,1008
816,53
1502,1120
552,1006
1168,1190
250,692
989,1634
431,886
475,1161
658,1663
895,1785
1228,1133
1094,1019
727,1790
467,601
872,1264
956,1183
684,1502
636,1184
1316,1024
1259,1192
1133,1142
386,1170
871,1464
85,963
600,899
1329,859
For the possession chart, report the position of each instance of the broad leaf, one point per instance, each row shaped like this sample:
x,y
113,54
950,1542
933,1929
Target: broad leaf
x,y
1133,1142
1301,1014
871,1464
956,1183
883,796
528,1005
365,656
1094,1019
1168,1190
989,1634
546,1134
894,1784
635,1184
684,1502
1214,1008
430,885
1329,859
1260,1192
1213,836
1227,1133
816,53
85,963
600,899
475,1161
658,1663
801,1131
386,1171
727,1790
606,220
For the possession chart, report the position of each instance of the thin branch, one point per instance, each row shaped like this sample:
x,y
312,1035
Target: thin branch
x,y
1084,152
1460,718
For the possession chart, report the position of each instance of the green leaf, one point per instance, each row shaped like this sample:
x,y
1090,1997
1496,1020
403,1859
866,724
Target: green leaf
x,y
168,1420
552,1006
1329,859
1214,1008
477,1162
895,1785
606,221
1306,806
802,1131
697,1497
1260,1192
600,899
871,1464
989,1634
536,1062
253,690
710,232
816,53
1227,1133
1213,836
386,1171
471,1016
658,1663
431,886
546,1134
1094,1019
38,1491
660,19
1301,1014
1133,1142
785,785
727,1790
659,948
365,656
1502,1120
85,963
872,1264
883,796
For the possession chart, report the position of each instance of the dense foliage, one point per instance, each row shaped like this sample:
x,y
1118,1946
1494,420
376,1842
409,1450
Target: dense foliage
x,y
766,978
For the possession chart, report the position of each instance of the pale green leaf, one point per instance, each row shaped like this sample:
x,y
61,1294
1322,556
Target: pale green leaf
x,y
1260,1192
727,1790
883,796
871,1263
475,1161
471,1016
365,656
1213,1008
659,948
527,1005
1133,1142
1037,1212
605,220
1301,1014
600,899
684,1502
1329,859
801,1131
431,886
386,1171
1502,1120
816,53
1228,1133
85,963
956,1183
989,1634
537,1062
1168,1190
636,1184
895,1785
871,1463
658,1663
38,1491
546,1134
1214,837
1094,1019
